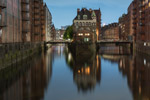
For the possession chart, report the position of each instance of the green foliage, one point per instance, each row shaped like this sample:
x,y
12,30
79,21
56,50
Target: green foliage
x,y
68,33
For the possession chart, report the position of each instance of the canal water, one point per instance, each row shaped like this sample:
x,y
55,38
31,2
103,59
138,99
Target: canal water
x,y
108,73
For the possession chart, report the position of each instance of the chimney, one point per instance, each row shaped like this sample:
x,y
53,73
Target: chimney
x,y
90,10
78,10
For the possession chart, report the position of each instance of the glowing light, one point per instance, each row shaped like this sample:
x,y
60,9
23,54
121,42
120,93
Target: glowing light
x,y
87,70
145,61
87,34
80,34
79,71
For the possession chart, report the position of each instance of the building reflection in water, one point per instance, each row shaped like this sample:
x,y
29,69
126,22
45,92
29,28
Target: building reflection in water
x,y
137,70
135,67
28,79
86,69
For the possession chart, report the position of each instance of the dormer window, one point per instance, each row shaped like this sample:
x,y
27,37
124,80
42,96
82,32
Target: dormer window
x,y
84,17
78,16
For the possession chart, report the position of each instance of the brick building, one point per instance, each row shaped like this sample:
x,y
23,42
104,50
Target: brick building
x,y
130,23
10,21
24,21
141,20
110,32
53,32
124,27
48,23
87,25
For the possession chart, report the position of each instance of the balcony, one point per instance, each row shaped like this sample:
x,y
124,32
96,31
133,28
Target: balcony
x,y
134,9
134,23
25,31
142,19
24,18
25,2
25,10
2,5
37,33
134,18
2,24
134,13
141,24
134,27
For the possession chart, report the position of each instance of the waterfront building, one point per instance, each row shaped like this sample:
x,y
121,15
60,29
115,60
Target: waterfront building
x,y
53,32
141,25
124,27
37,6
57,34
130,22
110,32
24,21
86,25
48,23
10,21
62,32
26,25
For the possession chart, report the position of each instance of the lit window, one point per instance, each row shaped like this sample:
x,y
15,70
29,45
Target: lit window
x,y
80,34
87,34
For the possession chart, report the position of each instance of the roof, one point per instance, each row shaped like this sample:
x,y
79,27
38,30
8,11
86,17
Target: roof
x,y
84,11
87,12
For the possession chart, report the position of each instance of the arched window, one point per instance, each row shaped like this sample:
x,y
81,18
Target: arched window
x,y
80,24
83,24
76,23
87,24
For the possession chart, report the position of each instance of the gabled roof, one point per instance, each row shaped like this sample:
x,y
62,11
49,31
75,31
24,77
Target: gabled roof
x,y
84,11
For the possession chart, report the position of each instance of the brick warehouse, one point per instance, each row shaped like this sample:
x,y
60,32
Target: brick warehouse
x,y
24,21
141,25
87,25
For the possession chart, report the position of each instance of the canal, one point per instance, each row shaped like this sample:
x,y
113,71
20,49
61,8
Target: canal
x,y
109,73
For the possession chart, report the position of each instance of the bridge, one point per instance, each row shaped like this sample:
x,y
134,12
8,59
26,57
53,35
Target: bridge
x,y
58,42
114,42
98,42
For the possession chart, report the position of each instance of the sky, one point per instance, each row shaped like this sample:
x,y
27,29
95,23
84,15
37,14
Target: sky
x,y
64,11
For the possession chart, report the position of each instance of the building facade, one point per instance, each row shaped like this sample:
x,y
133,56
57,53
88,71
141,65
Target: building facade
x,y
10,21
141,20
110,32
86,25
130,21
124,27
48,23
24,21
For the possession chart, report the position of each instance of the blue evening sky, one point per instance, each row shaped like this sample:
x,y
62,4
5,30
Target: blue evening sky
x,y
64,11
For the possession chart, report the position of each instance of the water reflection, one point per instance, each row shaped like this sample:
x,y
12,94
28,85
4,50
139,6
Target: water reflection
x,y
137,70
86,68
135,67
111,73
26,80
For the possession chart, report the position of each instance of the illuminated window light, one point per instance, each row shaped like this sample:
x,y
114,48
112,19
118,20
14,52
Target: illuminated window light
x,y
80,34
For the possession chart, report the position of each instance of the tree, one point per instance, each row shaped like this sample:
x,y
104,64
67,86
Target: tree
x,y
68,33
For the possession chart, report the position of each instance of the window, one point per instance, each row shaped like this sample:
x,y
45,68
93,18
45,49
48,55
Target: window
x,y
80,34
83,24
77,24
80,24
78,16
84,17
86,39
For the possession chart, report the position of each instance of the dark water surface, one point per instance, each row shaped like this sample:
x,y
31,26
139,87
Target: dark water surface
x,y
111,73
